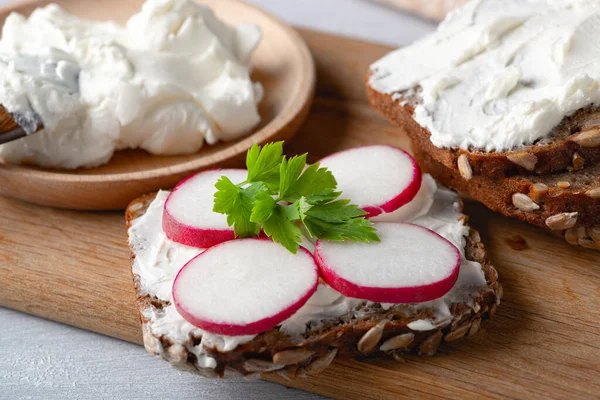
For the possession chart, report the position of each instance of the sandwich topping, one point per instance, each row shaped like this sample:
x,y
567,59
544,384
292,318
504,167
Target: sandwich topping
x,y
173,77
499,74
190,281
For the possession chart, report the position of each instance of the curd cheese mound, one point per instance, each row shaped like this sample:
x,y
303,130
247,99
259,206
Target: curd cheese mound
x,y
172,78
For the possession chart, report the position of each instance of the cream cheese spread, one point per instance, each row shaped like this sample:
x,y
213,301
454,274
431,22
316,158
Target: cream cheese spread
x,y
169,80
158,260
498,74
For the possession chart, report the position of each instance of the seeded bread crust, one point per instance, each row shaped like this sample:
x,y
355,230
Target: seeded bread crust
x,y
572,211
344,337
575,142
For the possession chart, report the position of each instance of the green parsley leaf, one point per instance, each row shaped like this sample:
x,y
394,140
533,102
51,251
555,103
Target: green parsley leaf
x,y
336,212
289,172
314,180
263,164
281,193
275,222
323,197
358,230
237,204
337,220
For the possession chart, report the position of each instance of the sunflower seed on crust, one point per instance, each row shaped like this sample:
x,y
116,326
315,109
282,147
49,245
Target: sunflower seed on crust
x,y
589,138
475,236
572,236
136,206
398,357
478,253
589,244
464,168
258,365
593,193
537,192
176,354
320,363
301,373
582,233
562,221
230,372
151,343
402,311
524,202
290,357
397,342
475,327
563,184
578,161
524,159
430,345
594,233
289,372
369,340
457,333
206,372
252,377
499,293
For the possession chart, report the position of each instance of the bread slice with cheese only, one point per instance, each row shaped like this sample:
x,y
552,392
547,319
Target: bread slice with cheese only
x,y
512,87
574,143
328,326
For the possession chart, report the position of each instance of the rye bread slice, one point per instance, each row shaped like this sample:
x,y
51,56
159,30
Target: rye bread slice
x,y
569,203
573,143
347,336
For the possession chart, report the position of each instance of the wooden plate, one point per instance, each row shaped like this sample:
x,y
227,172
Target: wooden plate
x,y
282,63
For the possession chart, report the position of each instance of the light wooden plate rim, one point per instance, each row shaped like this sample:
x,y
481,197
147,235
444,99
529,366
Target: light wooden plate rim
x,y
293,113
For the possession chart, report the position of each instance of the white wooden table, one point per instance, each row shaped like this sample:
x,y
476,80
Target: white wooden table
x,y
40,359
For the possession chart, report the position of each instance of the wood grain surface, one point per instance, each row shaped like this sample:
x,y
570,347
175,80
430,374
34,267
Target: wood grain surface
x,y
544,342
281,63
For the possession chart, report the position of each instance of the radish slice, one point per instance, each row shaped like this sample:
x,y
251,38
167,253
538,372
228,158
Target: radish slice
x,y
417,207
188,216
244,287
378,179
411,264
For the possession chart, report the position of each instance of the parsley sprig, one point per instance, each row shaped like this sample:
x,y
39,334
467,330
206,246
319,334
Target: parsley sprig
x,y
281,195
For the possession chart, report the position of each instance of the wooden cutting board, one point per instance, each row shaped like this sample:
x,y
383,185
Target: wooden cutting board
x,y
544,342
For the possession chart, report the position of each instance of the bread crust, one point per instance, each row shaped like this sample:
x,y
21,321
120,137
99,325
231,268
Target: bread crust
x,y
497,195
339,338
552,155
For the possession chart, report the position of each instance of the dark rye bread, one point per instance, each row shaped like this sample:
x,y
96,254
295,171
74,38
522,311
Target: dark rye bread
x,y
344,337
574,142
569,203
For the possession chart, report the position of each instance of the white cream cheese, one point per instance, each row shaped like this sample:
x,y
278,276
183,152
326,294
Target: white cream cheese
x,y
158,260
173,77
499,74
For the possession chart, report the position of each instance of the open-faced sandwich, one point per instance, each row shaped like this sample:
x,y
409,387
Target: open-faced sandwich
x,y
502,103
283,267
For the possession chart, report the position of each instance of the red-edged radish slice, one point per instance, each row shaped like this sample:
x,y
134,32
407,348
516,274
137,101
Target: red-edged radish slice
x,y
188,216
244,287
416,207
411,264
378,179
